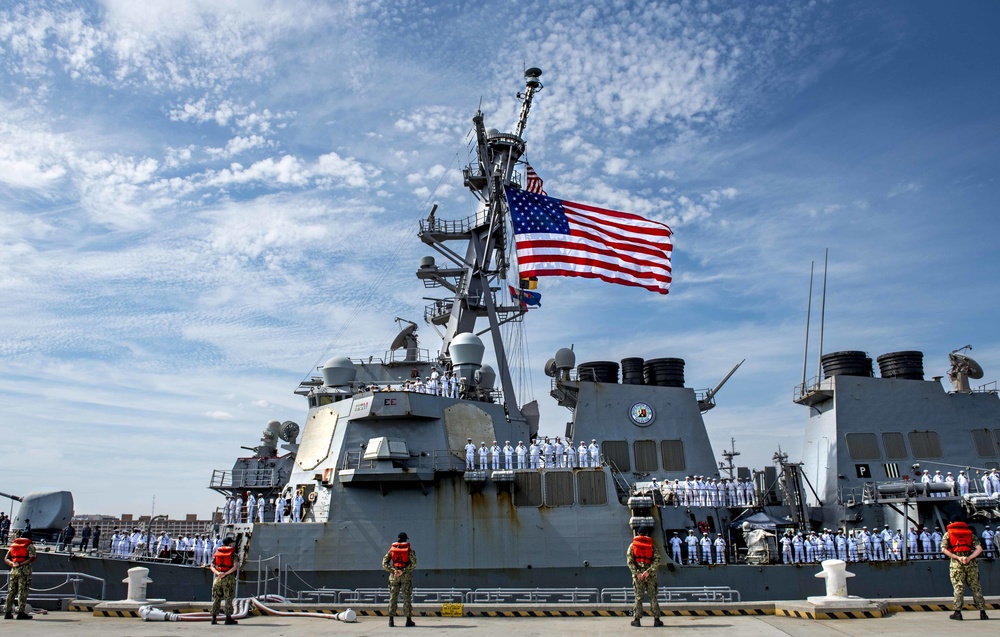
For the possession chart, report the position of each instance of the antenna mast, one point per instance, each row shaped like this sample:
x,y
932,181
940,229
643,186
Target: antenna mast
x,y
822,317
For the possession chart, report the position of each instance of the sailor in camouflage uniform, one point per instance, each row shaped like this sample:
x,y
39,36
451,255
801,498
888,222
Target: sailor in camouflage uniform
x,y
961,545
19,557
400,562
224,566
643,560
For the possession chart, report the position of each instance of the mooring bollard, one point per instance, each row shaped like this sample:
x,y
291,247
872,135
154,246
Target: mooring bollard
x,y
138,578
835,573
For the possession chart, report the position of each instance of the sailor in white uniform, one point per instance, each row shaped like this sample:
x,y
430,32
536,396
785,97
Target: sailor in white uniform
x,y
675,548
238,509
797,549
571,455
508,456
706,548
595,453
536,462
261,505
692,546
251,507
583,454
470,456
558,449
297,503
963,484
936,538
938,479
435,386
547,453
926,544
484,453
987,485
279,510
522,453
720,549
495,456
453,384
988,538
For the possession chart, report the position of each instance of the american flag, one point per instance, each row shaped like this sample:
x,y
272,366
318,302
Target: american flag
x,y
534,181
562,238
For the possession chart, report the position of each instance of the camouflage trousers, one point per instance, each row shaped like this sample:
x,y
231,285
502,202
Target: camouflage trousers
x,y
20,580
641,588
224,587
402,585
963,576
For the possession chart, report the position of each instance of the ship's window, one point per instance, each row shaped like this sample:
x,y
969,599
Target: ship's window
x,y
593,487
984,443
616,454
672,453
558,488
527,489
925,444
895,448
863,446
645,455
992,465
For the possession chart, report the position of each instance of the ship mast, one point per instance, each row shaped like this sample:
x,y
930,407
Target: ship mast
x,y
476,277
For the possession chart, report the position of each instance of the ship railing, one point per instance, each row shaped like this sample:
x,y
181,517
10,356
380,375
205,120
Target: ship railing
x,y
438,460
404,355
723,594
533,596
256,478
988,388
64,585
267,573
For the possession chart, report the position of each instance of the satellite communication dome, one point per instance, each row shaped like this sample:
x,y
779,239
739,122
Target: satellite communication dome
x,y
339,371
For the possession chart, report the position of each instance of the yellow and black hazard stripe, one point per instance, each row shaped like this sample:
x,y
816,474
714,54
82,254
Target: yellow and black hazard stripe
x,y
115,613
848,614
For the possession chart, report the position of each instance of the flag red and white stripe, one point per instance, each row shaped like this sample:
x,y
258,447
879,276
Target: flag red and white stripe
x,y
534,182
562,238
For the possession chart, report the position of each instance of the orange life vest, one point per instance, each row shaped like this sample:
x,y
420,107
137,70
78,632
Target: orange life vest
x,y
642,549
960,538
223,558
19,550
399,554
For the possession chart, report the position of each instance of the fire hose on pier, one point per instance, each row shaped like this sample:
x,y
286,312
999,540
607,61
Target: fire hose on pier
x,y
242,608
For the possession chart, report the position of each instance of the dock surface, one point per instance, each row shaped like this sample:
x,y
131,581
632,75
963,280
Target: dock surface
x,y
901,624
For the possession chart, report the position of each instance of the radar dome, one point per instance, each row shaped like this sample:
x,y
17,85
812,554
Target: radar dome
x,y
487,377
565,359
339,371
467,349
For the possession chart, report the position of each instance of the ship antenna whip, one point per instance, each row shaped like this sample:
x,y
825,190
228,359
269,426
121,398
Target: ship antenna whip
x,y
805,353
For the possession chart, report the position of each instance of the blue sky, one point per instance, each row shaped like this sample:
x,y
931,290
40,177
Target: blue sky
x,y
201,201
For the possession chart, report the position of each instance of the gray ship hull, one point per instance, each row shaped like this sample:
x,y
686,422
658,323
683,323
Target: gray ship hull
x,y
874,580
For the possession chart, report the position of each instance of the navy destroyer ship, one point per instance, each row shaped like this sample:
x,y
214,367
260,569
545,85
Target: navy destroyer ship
x,y
379,453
